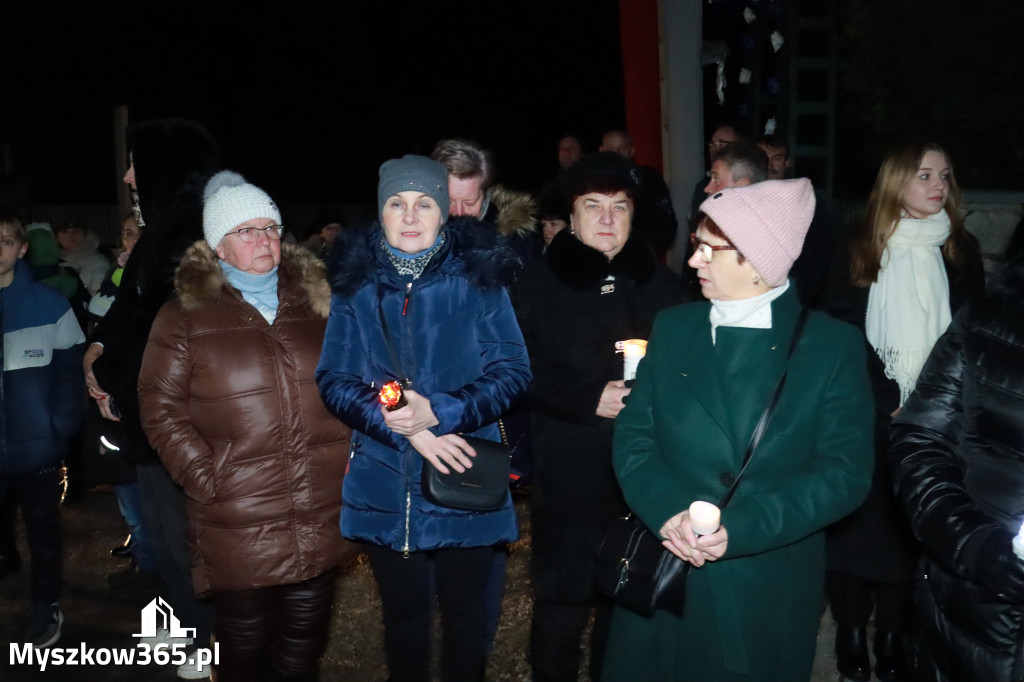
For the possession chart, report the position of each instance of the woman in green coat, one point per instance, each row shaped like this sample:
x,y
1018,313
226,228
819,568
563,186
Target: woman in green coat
x,y
756,590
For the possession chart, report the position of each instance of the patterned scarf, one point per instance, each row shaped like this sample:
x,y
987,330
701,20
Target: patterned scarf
x,y
413,264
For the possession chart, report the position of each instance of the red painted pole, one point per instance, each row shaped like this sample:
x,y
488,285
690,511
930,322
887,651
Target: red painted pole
x,y
641,69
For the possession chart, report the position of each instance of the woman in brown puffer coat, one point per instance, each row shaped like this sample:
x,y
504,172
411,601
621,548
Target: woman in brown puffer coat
x,y
230,403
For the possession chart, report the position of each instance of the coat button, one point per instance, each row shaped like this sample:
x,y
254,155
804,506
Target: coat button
x,y
727,479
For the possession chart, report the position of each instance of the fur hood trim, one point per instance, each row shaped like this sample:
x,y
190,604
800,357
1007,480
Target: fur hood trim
x,y
581,267
516,211
470,250
199,280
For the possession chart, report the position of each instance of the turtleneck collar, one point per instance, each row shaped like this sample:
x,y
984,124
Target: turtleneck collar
x,y
751,313
259,291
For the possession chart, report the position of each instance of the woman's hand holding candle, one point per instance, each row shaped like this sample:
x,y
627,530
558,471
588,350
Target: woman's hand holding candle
x,y
416,416
612,399
681,540
705,518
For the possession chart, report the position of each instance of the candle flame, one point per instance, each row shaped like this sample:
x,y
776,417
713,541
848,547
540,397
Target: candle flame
x,y
632,347
390,393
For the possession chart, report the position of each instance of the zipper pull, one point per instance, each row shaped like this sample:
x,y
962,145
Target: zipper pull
x,y
408,512
408,290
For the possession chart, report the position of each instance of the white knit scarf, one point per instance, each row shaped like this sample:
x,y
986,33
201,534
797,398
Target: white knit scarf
x,y
908,307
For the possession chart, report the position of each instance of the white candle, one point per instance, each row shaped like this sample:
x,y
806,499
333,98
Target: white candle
x,y
705,518
1018,543
633,350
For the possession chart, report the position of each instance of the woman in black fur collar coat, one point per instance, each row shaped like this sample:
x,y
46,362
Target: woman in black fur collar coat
x,y
598,283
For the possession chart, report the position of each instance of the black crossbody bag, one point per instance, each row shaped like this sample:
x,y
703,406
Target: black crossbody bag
x,y
482,487
634,568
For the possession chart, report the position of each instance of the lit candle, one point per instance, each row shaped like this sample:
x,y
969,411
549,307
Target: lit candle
x,y
633,350
1018,543
392,397
705,518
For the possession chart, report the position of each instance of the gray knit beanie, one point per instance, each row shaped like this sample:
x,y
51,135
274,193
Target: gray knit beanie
x,y
413,173
229,201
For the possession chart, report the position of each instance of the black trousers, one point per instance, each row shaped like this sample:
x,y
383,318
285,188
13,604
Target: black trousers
x,y
852,600
555,635
460,578
38,495
163,507
283,627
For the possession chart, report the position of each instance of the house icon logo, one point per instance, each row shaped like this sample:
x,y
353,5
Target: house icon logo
x,y
159,614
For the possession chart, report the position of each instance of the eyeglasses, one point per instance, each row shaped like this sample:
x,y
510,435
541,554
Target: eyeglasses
x,y
250,235
706,250
718,144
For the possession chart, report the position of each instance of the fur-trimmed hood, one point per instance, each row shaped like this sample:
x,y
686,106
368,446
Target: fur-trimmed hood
x,y
511,212
581,267
199,279
481,255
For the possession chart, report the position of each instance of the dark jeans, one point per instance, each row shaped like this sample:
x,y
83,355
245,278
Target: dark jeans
x,y
284,627
405,591
38,495
495,594
130,504
555,635
852,600
163,506
8,517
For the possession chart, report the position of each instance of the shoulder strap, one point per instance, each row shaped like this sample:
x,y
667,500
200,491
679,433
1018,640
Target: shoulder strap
x,y
769,410
395,362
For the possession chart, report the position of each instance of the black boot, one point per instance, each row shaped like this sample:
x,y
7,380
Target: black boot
x,y
852,653
890,660
124,550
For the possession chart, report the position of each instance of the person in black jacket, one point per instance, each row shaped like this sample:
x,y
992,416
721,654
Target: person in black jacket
x,y
654,216
171,160
957,457
598,282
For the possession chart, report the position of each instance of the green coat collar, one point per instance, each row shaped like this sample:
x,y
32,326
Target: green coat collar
x,y
699,369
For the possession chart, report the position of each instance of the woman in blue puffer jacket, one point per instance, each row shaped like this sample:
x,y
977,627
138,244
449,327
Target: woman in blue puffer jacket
x,y
434,292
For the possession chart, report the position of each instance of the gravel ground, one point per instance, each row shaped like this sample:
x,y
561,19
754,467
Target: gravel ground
x,y
92,526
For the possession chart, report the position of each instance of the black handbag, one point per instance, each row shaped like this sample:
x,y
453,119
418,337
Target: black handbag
x,y
482,487
635,569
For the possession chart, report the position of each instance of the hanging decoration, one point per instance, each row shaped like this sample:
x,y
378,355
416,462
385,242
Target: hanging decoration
x,y
754,60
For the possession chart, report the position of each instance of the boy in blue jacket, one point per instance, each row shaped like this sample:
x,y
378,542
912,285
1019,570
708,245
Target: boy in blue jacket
x,y
42,398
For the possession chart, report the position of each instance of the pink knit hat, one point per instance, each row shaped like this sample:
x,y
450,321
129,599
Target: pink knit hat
x,y
766,221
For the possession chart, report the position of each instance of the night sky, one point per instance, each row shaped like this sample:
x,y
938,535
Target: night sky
x,y
306,99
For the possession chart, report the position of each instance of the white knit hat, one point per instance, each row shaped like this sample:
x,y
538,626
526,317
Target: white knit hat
x,y
230,201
